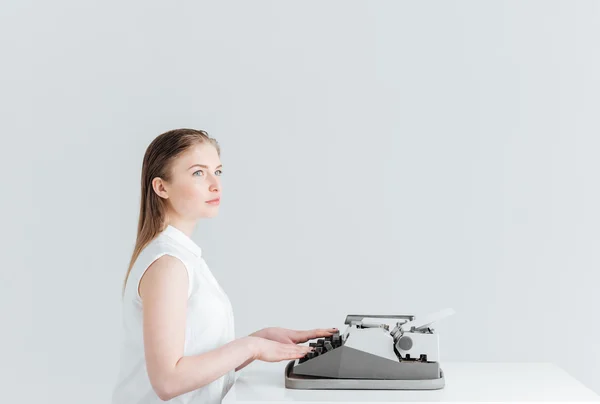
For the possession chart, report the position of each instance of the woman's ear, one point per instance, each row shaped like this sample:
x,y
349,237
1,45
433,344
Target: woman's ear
x,y
158,185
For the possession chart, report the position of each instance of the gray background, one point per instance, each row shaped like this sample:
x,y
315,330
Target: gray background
x,y
379,157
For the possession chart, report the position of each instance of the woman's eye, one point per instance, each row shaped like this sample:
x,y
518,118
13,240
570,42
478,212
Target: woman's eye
x,y
199,171
218,172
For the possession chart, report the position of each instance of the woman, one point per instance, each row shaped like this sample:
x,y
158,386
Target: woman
x,y
178,339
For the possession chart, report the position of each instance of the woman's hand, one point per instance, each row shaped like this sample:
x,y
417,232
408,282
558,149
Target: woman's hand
x,y
273,351
287,336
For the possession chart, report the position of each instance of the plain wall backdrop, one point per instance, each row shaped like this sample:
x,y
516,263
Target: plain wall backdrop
x,y
379,157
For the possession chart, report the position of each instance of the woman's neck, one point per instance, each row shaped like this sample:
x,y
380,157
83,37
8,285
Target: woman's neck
x,y
185,226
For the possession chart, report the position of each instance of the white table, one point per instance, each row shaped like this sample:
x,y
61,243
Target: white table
x,y
262,382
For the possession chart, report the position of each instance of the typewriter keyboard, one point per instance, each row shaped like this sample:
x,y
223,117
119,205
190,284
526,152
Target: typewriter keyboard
x,y
323,345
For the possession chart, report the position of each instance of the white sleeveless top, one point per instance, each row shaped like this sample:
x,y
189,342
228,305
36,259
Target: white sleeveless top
x,y
209,323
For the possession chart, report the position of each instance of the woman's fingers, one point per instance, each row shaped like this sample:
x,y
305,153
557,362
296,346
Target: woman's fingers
x,y
299,355
302,348
294,354
292,351
303,336
323,332
299,351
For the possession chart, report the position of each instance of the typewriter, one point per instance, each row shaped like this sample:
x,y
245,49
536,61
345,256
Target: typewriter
x,y
375,352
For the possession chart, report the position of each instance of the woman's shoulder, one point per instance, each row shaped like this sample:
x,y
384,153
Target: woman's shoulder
x,y
162,245
155,250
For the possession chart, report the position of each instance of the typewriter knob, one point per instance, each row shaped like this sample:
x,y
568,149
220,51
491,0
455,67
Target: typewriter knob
x,y
405,343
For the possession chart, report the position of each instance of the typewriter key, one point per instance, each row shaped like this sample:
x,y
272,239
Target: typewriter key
x,y
336,340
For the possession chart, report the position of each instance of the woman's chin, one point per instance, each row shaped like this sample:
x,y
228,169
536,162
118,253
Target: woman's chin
x,y
211,212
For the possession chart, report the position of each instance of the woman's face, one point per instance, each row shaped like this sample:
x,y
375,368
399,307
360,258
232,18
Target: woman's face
x,y
194,191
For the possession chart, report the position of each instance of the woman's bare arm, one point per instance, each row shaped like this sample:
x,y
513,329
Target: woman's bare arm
x,y
163,289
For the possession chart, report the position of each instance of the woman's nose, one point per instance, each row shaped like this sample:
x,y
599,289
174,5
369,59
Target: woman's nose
x,y
214,187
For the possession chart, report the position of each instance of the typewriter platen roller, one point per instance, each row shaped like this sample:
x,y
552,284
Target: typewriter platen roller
x,y
385,352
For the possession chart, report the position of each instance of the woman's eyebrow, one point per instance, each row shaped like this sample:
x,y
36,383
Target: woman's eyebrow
x,y
204,166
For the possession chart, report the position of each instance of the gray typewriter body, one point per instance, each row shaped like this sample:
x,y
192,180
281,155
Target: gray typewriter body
x,y
388,352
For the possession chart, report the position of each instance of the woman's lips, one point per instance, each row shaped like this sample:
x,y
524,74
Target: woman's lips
x,y
214,201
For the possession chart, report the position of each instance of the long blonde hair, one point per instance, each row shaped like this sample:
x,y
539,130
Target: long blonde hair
x,y
157,163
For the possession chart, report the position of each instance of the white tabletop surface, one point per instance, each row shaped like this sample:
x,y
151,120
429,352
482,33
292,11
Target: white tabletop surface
x,y
262,382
